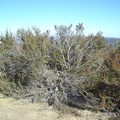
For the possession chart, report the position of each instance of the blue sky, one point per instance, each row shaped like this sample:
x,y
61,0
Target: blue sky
x,y
96,15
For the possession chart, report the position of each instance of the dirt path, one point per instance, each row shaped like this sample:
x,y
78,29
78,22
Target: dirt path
x,y
11,109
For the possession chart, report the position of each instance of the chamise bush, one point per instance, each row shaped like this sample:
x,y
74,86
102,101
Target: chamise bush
x,y
68,68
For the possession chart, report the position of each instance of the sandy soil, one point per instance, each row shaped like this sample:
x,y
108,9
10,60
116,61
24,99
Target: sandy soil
x,y
11,109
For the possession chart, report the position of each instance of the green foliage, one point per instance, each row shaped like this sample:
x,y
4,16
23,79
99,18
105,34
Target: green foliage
x,y
79,54
23,61
6,40
71,52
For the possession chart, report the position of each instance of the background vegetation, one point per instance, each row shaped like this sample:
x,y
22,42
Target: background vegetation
x,y
68,68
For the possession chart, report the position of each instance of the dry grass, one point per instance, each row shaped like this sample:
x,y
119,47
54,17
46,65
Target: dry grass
x,y
11,109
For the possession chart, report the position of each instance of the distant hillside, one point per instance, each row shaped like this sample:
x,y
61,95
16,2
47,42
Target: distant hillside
x,y
112,41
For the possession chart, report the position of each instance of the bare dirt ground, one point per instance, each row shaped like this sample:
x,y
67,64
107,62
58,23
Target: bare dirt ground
x,y
11,109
